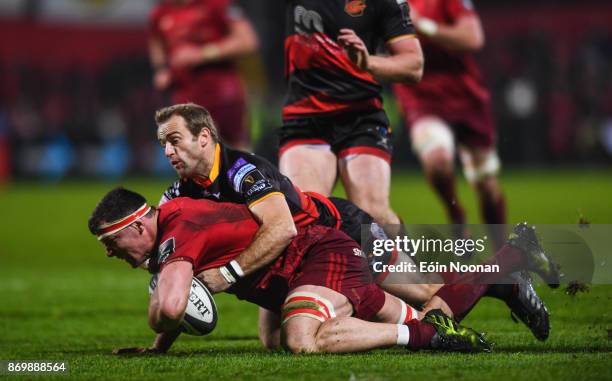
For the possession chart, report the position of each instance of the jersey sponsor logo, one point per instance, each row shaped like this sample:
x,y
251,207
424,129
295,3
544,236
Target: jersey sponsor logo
x,y
236,166
165,249
249,179
259,186
307,21
241,174
355,8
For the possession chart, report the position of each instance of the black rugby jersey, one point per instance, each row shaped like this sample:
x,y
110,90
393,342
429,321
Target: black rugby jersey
x,y
322,80
246,178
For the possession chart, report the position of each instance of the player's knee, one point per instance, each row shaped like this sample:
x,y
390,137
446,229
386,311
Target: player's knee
x,y
372,200
438,162
302,315
327,337
488,188
299,343
431,136
480,170
172,309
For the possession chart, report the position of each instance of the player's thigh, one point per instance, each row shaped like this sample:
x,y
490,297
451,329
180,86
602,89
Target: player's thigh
x,y
366,179
414,294
304,310
269,328
310,167
433,142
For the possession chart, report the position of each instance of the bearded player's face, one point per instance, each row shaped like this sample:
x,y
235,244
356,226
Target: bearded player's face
x,y
184,151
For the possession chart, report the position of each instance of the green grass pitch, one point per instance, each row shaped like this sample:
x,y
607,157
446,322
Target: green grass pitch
x,y
62,300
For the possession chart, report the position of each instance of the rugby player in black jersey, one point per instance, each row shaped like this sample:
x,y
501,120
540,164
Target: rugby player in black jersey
x,y
333,118
209,169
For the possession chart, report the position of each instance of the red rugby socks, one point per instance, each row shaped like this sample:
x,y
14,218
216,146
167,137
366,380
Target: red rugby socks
x,y
445,185
420,334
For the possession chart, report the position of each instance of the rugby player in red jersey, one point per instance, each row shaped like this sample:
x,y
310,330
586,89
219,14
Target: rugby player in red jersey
x,y
333,119
346,310
193,45
451,106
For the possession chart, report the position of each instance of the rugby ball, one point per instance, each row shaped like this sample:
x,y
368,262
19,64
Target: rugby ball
x,y
201,313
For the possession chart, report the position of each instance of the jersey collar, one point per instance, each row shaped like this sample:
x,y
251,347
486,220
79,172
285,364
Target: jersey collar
x,y
214,172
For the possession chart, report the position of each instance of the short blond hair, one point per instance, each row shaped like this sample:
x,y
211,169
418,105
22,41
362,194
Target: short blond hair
x,y
196,117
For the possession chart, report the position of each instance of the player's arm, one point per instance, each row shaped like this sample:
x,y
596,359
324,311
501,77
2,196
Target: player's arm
x,y
241,40
276,231
168,303
464,35
403,64
166,308
162,77
163,342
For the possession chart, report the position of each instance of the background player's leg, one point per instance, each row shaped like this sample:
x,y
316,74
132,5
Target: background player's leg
x,y
269,329
311,167
481,166
367,179
433,142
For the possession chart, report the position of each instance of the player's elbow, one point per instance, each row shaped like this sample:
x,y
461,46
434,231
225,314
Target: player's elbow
x,y
168,315
252,44
173,309
414,71
288,231
476,43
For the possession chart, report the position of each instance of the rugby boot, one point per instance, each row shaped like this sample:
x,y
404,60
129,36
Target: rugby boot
x,y
524,237
451,336
524,303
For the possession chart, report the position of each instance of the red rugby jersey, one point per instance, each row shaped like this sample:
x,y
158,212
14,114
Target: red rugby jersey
x,y
206,233
452,82
197,22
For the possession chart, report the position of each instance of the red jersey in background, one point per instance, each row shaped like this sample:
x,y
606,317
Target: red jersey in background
x,y
452,84
216,86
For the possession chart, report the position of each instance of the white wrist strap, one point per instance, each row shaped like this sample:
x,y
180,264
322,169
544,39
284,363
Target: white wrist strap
x,y
234,265
229,278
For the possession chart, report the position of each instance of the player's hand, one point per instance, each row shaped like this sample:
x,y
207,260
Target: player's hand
x,y
213,280
355,48
187,56
135,350
162,79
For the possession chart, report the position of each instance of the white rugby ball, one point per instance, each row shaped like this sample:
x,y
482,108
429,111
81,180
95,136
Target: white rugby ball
x,y
201,313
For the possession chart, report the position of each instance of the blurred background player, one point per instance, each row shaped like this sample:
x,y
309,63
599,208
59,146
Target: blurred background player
x,y
333,120
452,105
193,45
